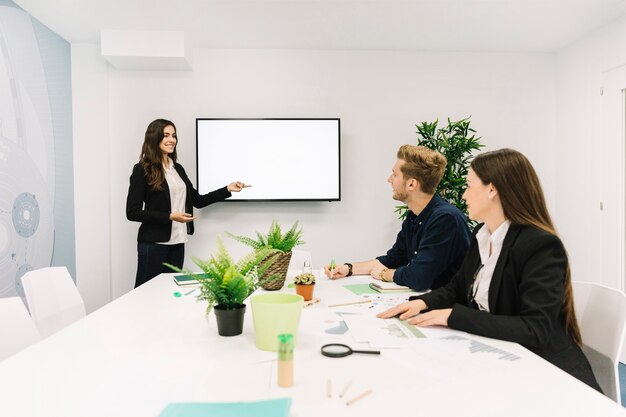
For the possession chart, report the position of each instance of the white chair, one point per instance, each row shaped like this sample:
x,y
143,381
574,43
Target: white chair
x,y
17,329
53,299
298,257
601,315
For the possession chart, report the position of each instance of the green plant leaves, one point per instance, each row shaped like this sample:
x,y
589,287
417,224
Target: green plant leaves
x,y
274,238
226,282
304,279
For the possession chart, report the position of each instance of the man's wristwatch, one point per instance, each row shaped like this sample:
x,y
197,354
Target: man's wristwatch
x,y
349,269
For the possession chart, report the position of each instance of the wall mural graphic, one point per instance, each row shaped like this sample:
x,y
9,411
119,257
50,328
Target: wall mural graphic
x,y
35,149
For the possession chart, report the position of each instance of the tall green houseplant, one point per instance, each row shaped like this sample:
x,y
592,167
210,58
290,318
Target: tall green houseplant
x,y
457,141
225,282
278,241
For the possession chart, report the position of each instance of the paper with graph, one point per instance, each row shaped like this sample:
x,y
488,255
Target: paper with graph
x,y
444,353
381,333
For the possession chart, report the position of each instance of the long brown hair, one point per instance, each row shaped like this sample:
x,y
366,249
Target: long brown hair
x,y
151,158
523,203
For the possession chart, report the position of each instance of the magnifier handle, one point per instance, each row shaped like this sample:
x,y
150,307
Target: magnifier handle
x,y
369,352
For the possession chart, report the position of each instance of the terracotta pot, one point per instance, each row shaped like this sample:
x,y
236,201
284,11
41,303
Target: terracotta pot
x,y
305,290
229,321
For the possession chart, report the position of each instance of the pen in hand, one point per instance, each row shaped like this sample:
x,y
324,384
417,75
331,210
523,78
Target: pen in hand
x,y
332,268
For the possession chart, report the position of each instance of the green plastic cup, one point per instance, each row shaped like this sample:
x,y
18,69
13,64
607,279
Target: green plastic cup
x,y
274,314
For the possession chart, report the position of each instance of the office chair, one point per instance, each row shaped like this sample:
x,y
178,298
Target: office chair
x,y
53,300
601,315
16,327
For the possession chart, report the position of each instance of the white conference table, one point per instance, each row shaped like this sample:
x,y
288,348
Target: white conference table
x,y
149,348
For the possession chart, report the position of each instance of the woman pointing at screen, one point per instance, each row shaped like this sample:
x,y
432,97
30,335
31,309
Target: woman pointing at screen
x,y
162,198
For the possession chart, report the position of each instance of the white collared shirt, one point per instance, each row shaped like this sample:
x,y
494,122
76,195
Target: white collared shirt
x,y
488,242
178,195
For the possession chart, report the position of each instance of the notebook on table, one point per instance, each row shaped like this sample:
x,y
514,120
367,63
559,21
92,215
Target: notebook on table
x,y
382,286
187,279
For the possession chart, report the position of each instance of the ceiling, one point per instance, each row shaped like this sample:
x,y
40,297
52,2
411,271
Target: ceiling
x,y
435,25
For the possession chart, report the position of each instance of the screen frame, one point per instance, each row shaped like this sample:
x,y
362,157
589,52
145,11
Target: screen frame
x,y
338,198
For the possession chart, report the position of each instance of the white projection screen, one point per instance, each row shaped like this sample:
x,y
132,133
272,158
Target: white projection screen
x,y
283,159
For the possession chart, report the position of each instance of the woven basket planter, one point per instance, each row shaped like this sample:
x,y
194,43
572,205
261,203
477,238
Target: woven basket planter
x,y
279,267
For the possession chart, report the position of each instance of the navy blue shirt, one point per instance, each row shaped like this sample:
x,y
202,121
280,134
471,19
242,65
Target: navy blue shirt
x,y
430,247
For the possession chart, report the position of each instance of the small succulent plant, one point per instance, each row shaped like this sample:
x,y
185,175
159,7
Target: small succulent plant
x,y
304,279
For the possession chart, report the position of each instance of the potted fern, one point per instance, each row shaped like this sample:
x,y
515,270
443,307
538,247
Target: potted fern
x,y
282,244
225,284
305,284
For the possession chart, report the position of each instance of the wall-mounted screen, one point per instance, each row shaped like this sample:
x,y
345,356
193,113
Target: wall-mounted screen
x,y
283,159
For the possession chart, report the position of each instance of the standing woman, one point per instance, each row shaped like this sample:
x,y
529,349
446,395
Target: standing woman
x,y
162,198
514,283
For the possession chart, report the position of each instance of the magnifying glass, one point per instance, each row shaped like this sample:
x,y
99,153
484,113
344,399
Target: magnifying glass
x,y
338,350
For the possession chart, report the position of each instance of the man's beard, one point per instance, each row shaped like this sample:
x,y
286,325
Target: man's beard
x,y
400,196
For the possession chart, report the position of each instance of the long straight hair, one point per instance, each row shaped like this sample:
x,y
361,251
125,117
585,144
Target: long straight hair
x,y
151,158
523,203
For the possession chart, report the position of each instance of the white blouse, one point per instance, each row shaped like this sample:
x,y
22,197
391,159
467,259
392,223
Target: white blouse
x,y
178,195
489,247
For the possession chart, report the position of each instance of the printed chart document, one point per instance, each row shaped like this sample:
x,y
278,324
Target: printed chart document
x,y
472,357
381,333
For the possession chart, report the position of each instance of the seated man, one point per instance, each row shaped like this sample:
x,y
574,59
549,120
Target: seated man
x,y
434,237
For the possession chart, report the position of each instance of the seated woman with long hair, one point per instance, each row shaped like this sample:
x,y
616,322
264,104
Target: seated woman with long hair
x,y
514,283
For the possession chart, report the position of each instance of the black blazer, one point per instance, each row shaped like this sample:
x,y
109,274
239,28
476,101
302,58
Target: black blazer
x,y
525,297
154,216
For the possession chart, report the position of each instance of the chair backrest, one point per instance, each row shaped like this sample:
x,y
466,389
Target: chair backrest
x,y
53,299
17,329
601,315
298,257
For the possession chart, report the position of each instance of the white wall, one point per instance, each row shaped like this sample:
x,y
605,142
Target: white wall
x,y
92,168
379,97
586,171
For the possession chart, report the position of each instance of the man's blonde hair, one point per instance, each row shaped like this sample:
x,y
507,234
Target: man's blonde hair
x,y
423,164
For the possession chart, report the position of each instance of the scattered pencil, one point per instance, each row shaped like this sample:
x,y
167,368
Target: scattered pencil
x,y
350,303
311,302
329,391
345,389
358,397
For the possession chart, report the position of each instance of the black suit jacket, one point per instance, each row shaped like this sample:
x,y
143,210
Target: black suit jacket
x,y
525,298
153,208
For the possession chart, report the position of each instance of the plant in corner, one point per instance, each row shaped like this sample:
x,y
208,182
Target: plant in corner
x,y
457,141
225,284
305,283
282,243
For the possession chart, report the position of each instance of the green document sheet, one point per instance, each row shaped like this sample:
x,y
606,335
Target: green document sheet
x,y
269,408
360,289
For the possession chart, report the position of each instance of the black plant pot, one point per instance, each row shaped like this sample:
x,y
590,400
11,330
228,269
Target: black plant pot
x,y
229,321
